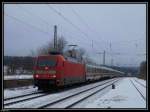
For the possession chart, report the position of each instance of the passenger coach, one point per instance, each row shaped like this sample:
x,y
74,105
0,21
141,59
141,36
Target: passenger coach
x,y
52,71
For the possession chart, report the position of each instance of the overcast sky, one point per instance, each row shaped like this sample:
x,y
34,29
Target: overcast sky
x,y
115,28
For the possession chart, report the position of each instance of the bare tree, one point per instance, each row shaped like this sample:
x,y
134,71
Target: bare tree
x,y
32,53
61,43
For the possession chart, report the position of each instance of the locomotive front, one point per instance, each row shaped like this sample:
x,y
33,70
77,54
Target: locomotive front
x,y
46,71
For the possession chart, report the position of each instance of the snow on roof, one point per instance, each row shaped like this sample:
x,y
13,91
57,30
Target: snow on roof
x,y
105,68
72,59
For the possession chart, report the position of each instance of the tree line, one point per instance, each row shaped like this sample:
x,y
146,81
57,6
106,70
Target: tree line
x,y
143,70
27,62
18,63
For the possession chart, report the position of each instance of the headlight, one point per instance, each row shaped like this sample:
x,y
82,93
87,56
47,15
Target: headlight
x,y
36,76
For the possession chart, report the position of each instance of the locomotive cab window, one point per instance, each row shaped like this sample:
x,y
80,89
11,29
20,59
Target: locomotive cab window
x,y
46,62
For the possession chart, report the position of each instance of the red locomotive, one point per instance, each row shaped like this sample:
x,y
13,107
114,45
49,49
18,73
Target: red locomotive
x,y
54,70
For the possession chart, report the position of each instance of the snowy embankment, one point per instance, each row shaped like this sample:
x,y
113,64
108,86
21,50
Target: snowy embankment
x,y
8,93
141,81
124,95
13,77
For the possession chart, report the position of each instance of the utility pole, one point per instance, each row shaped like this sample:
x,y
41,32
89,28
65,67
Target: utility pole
x,y
112,62
104,58
100,57
55,37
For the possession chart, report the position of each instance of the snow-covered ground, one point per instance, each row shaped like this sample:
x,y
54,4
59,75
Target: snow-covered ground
x,y
8,93
11,77
124,95
141,81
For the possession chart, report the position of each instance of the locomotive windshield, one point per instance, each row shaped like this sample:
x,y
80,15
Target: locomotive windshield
x,y
46,62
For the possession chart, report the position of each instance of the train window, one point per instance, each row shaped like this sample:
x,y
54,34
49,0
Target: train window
x,y
46,62
103,71
92,69
106,71
98,70
88,69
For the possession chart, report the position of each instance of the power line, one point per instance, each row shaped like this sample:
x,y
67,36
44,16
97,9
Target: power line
x,y
128,41
68,35
82,21
26,23
18,20
30,13
67,20
80,18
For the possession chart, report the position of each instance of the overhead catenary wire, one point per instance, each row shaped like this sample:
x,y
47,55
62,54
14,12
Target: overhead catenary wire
x,y
27,24
67,20
81,19
39,17
41,30
83,22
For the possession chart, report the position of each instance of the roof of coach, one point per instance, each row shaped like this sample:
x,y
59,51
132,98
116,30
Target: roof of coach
x,y
103,67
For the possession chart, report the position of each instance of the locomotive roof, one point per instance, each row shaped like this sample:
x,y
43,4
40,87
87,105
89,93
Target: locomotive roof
x,y
103,67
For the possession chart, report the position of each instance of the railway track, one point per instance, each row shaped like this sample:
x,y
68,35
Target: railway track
x,y
138,90
71,100
21,98
51,100
140,83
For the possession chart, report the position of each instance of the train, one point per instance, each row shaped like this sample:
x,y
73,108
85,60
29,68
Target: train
x,y
54,71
